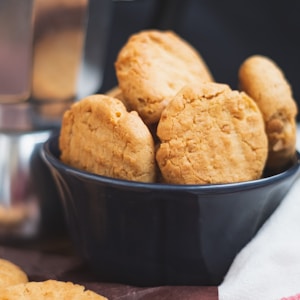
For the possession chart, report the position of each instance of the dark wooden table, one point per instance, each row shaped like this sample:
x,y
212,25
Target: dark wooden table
x,y
54,259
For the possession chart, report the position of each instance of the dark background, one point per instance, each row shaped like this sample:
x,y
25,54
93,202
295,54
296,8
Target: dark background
x,y
224,32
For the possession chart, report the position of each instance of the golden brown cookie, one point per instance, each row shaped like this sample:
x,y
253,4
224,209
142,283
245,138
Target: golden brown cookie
x,y
11,274
56,65
153,66
99,135
58,48
265,82
211,134
116,92
49,289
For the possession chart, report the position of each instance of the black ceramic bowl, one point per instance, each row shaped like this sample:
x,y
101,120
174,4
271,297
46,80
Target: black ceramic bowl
x,y
158,234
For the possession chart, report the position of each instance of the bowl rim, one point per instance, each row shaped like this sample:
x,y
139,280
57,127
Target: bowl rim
x,y
52,161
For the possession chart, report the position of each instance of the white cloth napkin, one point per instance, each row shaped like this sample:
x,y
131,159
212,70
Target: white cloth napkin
x,y
268,267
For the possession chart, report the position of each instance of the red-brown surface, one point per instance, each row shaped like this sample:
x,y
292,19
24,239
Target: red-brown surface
x,y
40,265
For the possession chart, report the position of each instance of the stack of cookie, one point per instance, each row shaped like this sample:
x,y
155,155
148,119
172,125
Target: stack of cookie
x,y
15,285
265,82
168,121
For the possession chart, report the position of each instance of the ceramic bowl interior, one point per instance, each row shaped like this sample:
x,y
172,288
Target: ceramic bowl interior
x,y
158,234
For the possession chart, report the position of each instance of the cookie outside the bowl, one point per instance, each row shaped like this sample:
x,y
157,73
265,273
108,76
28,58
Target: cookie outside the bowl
x,y
11,274
49,289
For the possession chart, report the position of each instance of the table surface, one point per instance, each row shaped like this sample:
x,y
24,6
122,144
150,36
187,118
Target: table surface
x,y
54,259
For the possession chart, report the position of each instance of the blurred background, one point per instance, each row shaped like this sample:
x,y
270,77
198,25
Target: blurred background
x,y
224,32
54,52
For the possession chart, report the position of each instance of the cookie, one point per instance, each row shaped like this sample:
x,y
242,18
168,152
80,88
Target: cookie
x,y
49,289
153,66
100,136
11,274
59,37
116,92
211,134
55,67
12,216
265,82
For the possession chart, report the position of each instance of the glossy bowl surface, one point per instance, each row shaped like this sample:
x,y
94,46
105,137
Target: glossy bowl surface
x,y
158,234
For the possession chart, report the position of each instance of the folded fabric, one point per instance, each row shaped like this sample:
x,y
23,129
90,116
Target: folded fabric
x,y
268,267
